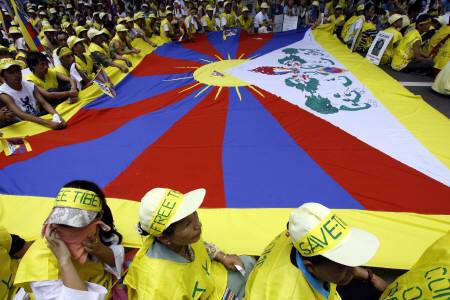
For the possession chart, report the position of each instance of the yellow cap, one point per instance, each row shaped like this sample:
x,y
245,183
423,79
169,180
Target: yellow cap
x,y
209,7
106,31
338,6
64,51
316,3
92,32
264,5
128,19
79,29
360,7
6,63
65,25
48,28
394,18
245,9
169,12
13,23
226,3
52,10
102,15
119,20
13,30
121,28
73,40
152,16
20,54
138,15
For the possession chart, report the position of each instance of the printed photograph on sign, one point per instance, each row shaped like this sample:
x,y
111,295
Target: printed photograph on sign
x,y
379,46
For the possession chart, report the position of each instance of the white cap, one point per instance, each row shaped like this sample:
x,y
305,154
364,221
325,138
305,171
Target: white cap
x,y
394,18
152,200
354,248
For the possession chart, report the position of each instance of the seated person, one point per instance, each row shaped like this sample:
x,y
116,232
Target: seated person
x,y
99,51
12,248
141,30
208,21
79,255
408,56
395,21
83,61
262,21
296,265
23,98
166,28
68,66
120,44
174,262
55,86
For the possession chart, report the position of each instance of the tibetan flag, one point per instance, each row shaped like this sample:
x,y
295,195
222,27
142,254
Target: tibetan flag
x,y
105,84
264,123
29,33
15,146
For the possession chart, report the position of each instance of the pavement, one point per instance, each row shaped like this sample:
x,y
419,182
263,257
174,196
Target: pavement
x,y
421,85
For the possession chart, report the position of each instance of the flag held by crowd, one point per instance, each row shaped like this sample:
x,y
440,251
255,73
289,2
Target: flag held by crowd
x,y
29,33
15,146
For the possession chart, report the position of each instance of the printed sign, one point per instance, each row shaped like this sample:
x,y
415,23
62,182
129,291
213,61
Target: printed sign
x,y
379,46
290,23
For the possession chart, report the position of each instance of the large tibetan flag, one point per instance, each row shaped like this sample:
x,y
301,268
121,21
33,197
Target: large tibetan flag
x,y
264,123
29,33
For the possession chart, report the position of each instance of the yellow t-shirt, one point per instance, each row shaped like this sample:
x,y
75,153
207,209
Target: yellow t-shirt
x,y
245,24
86,66
50,80
404,52
387,56
210,22
441,34
443,56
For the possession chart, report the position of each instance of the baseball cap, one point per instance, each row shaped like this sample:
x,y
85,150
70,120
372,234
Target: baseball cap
x,y
92,32
79,29
264,5
360,7
52,10
64,51
405,21
139,15
74,207
6,63
209,7
48,29
121,27
394,18
315,3
316,230
161,207
14,29
245,9
441,20
73,40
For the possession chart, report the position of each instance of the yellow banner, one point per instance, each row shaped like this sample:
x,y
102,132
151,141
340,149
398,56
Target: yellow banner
x,y
164,212
78,198
324,237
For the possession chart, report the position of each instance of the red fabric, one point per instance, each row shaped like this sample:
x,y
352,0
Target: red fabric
x,y
200,47
376,180
248,44
103,120
180,153
154,64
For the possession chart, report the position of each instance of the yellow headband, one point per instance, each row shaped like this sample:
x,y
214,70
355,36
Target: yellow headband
x,y
164,212
64,51
324,237
78,198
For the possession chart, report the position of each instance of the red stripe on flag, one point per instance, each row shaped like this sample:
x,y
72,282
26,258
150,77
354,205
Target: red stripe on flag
x,y
91,124
153,64
376,180
249,43
186,157
202,45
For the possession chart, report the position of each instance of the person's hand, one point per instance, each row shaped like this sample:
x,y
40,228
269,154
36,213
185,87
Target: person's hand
x,y
57,246
94,246
73,93
6,114
56,125
136,51
230,260
367,275
73,100
123,69
128,62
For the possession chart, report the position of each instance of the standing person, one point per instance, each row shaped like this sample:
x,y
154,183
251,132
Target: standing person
x,y
262,23
79,255
23,98
297,265
174,262
395,21
408,56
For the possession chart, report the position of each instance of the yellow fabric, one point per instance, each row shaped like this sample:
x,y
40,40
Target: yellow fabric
x,y
275,277
347,25
324,237
395,234
50,80
333,23
397,36
78,198
442,82
93,47
162,32
164,212
366,26
64,51
443,56
404,52
210,21
87,67
6,274
62,70
428,279
39,264
150,278
191,29
245,24
441,34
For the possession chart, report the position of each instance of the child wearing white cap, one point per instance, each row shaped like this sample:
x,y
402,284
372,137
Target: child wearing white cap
x,y
318,252
174,262
79,256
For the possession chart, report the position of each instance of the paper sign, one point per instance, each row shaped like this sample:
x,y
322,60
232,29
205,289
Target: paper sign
x,y
278,23
290,23
379,46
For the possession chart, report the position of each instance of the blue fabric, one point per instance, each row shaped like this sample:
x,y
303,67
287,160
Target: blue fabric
x,y
313,282
254,154
228,47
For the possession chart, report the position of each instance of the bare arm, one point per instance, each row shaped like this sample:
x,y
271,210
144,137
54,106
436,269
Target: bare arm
x,y
73,83
418,54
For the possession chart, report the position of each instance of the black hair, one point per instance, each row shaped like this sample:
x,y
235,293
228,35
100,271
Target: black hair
x,y
423,18
5,52
33,58
106,216
169,231
316,259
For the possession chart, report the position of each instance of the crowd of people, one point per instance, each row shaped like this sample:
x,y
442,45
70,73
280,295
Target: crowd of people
x,y
79,37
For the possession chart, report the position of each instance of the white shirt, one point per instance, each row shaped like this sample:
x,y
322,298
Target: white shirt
x,y
192,21
260,18
20,44
56,290
76,75
24,98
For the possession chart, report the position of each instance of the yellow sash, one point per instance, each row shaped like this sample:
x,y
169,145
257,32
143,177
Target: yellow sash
x,y
245,24
210,22
50,80
429,278
62,70
6,273
387,56
161,30
93,47
275,277
87,67
443,56
231,19
39,264
404,52
151,278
